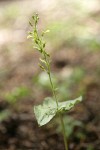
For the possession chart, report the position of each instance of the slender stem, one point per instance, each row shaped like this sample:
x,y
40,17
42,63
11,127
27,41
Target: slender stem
x,y
60,116
40,45
49,74
53,89
63,131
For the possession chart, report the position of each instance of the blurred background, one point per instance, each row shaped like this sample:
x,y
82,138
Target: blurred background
x,y
74,45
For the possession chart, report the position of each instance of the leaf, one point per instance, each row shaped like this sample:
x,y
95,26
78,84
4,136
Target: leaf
x,y
67,105
45,112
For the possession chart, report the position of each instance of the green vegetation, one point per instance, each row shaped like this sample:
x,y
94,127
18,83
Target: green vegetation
x,y
70,124
17,94
4,115
51,106
12,97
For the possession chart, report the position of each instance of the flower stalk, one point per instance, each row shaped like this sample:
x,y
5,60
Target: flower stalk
x,y
59,107
39,44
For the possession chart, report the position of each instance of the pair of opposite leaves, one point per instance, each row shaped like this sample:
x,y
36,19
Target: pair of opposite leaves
x,y
45,112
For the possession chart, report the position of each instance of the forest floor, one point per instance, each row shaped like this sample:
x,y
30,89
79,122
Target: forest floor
x,y
76,67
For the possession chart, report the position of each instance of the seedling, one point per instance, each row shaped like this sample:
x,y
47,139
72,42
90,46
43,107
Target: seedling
x,y
51,106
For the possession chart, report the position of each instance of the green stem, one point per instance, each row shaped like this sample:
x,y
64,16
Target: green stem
x,y
60,116
63,131
52,85
53,89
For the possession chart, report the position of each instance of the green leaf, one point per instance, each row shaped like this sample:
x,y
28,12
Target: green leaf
x,y
45,112
67,105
